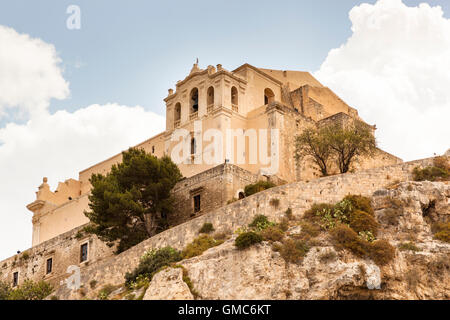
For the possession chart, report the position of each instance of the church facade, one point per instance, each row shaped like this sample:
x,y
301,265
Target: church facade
x,y
224,129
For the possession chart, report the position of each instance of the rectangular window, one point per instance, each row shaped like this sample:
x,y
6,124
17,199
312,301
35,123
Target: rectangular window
x,y
197,203
15,279
84,252
49,266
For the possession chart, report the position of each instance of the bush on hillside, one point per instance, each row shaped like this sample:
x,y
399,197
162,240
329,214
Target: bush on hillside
x,y
258,187
31,290
206,228
152,261
199,245
260,222
247,239
292,251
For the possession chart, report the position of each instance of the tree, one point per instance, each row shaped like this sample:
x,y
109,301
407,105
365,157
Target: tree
x,y
340,142
132,202
350,141
312,142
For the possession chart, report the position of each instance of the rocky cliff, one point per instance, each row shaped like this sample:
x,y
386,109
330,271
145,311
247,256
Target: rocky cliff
x,y
406,213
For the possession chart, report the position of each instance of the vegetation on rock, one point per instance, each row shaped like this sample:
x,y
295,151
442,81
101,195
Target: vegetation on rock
x,y
440,171
199,245
206,228
258,187
28,290
441,231
247,239
152,261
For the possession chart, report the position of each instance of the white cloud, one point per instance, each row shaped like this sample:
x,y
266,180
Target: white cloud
x,y
395,69
59,146
29,74
55,145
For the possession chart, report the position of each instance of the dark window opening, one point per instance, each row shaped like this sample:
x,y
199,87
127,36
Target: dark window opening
x,y
241,195
84,252
234,96
70,198
49,266
193,146
268,96
15,279
178,112
194,100
153,149
210,96
197,203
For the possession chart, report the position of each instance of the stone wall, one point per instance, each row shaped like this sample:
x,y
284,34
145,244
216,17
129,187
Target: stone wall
x,y
298,196
215,187
64,250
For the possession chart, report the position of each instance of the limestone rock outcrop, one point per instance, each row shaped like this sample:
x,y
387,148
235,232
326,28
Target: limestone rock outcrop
x,y
168,284
224,272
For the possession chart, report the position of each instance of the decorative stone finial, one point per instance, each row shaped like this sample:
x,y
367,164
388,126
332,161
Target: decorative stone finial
x,y
170,92
44,180
219,67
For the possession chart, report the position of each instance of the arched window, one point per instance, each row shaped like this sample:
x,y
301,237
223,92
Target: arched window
x,y
210,101
194,100
268,96
234,96
241,195
177,112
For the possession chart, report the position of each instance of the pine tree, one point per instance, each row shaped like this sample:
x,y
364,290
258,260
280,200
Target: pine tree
x,y
132,202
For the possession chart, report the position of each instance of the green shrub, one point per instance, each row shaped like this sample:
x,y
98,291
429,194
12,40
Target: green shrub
x,y
152,261
405,246
105,292
430,174
31,290
441,231
361,221
206,228
309,230
367,236
258,187
272,234
381,252
345,237
140,281
317,210
5,290
247,239
293,251
360,203
199,245
260,222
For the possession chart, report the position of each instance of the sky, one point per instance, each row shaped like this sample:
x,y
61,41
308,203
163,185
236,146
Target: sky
x,y
70,98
